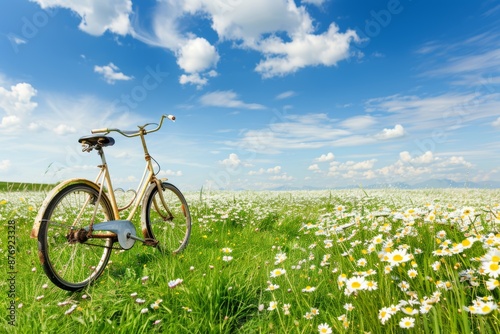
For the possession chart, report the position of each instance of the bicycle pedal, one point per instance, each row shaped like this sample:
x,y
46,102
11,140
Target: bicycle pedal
x,y
150,242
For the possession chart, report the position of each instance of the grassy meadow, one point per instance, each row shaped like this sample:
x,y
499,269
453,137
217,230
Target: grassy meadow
x,y
347,261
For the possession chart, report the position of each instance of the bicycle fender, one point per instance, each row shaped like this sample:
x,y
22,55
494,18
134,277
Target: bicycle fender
x,y
50,196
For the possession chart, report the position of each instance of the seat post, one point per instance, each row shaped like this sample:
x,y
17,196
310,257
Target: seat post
x,y
100,152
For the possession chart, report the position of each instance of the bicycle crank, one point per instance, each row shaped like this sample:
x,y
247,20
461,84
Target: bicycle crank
x,y
146,242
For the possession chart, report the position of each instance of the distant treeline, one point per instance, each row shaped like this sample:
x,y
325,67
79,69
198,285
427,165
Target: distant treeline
x,y
22,186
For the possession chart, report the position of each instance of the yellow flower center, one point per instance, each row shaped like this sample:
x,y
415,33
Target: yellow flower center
x,y
494,266
397,258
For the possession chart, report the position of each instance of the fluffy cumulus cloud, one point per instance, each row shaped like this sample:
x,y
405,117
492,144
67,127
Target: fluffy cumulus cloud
x,y
111,73
325,157
284,57
233,162
261,171
412,167
349,169
397,131
283,32
197,55
425,158
16,103
97,16
250,24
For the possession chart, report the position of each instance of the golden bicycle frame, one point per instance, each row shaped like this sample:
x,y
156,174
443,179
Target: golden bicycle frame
x,y
123,230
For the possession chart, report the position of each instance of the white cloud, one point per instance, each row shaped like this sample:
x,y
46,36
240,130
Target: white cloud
x,y
358,122
232,161
282,32
424,166
274,170
314,168
197,55
351,167
251,24
403,171
285,57
285,95
259,172
314,2
367,164
227,99
398,131
455,161
325,157
97,16
170,172
63,129
64,115
291,132
16,39
282,177
471,63
425,158
354,140
249,20
5,165
496,123
111,73
415,106
369,174
16,103
194,79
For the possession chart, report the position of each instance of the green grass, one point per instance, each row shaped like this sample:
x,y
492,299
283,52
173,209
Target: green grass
x,y
23,186
218,296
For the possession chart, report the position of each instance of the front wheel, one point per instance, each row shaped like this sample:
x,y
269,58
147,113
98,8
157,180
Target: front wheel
x,y
167,218
70,259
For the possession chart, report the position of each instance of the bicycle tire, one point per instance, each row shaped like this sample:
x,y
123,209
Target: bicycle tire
x,y
69,262
170,226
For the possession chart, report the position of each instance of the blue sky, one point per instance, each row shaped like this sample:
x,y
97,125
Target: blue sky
x,y
267,93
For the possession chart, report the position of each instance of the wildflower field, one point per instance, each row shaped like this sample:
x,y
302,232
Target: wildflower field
x,y
343,261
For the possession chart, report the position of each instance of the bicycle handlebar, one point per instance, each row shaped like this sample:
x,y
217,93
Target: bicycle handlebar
x,y
130,134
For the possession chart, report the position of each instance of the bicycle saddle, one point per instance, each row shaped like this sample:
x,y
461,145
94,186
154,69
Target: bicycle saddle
x,y
93,140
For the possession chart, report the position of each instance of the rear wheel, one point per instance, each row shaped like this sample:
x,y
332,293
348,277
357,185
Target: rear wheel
x,y
69,258
168,221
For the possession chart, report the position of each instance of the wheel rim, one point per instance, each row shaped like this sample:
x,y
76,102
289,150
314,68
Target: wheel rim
x,y
72,262
171,226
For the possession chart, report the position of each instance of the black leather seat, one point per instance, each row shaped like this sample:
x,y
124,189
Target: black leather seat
x,y
93,140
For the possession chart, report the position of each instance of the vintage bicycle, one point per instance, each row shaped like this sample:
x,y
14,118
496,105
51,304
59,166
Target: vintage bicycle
x,y
78,224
